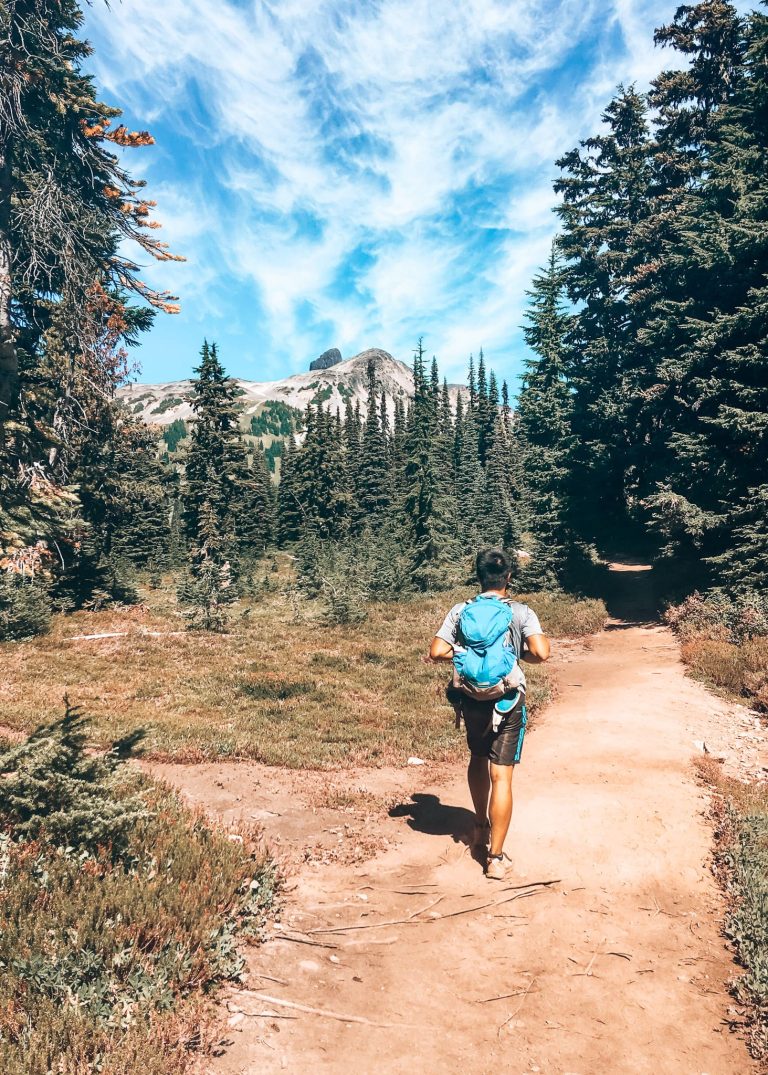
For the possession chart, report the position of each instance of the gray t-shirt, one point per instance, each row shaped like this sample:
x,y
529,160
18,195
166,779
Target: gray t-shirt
x,y
524,623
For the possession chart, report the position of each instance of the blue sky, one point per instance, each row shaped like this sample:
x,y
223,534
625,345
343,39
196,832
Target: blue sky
x,y
357,173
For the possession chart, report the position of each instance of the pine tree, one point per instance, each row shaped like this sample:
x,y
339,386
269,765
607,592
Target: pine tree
x,y
374,489
427,506
254,504
472,386
291,516
214,465
67,205
717,385
544,414
209,588
605,187
500,517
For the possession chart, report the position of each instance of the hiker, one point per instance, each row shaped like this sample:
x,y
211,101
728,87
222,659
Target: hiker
x,y
488,691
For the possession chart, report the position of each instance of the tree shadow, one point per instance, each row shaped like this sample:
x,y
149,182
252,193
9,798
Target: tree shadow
x,y
425,813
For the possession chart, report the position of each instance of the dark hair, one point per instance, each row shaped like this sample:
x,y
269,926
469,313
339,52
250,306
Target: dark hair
x,y
493,569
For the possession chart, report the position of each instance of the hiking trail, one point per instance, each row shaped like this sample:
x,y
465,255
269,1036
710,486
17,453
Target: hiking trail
x,y
618,968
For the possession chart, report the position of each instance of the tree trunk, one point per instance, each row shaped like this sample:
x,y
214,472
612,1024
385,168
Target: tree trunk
x,y
9,365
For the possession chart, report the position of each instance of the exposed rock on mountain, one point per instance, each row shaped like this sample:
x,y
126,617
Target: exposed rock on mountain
x,y
328,358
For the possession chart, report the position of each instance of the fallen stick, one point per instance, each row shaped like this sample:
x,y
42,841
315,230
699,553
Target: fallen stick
x,y
439,918
505,996
264,1015
422,910
326,1013
90,638
300,940
517,1009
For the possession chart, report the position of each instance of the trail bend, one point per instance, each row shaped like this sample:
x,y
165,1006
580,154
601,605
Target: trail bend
x,y
620,968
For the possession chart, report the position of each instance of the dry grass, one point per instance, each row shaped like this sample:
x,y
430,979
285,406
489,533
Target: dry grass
x,y
740,813
740,671
280,687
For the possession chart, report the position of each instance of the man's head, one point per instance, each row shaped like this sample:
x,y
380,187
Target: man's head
x,y
493,569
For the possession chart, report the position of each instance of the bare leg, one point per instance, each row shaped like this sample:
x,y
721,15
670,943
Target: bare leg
x,y
501,805
479,780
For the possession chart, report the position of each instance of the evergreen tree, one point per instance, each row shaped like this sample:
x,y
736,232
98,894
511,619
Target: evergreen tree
x,y
499,510
605,187
374,491
544,413
472,385
717,385
291,516
208,588
67,205
427,506
254,504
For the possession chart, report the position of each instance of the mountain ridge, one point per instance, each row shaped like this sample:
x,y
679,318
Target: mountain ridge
x,y
164,403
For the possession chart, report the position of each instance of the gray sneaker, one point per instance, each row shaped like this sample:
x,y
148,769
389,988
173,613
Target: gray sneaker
x,y
495,869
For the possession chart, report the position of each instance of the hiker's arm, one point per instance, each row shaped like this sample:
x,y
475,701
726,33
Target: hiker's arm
x,y
440,650
536,649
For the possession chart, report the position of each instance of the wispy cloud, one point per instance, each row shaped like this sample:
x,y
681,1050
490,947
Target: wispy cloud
x,y
354,173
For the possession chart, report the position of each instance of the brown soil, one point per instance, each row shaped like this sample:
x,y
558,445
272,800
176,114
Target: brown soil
x,y
618,968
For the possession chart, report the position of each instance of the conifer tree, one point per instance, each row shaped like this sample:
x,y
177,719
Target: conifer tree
x,y
67,205
254,505
499,509
427,504
544,414
472,386
714,459
374,492
605,187
291,515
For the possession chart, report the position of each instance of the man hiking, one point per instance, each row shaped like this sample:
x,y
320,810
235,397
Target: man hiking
x,y
486,638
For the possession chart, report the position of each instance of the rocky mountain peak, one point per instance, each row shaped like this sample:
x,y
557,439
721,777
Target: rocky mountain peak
x,y
328,358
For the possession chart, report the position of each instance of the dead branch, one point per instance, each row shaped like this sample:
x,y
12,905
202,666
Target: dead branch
x,y
325,1013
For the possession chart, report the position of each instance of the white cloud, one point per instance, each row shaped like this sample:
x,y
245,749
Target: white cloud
x,y
402,126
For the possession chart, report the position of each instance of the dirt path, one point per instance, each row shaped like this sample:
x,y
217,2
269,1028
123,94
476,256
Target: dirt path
x,y
618,968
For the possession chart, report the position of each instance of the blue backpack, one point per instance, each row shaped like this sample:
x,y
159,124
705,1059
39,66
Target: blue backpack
x,y
484,624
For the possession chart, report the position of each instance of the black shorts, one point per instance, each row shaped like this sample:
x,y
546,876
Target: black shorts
x,y
503,747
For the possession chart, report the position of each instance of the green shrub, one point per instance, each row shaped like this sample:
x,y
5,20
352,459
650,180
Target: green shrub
x,y
105,960
52,787
25,608
741,864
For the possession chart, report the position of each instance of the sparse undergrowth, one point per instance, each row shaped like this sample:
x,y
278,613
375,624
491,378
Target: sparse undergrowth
x,y
741,866
109,949
725,643
282,686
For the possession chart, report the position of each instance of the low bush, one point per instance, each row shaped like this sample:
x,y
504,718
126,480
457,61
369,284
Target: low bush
x,y
565,616
725,642
741,866
739,670
25,608
108,949
718,616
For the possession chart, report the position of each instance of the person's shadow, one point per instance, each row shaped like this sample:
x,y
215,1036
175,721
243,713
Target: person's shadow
x,y
425,813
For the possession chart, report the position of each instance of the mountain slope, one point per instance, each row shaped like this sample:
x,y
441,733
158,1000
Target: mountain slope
x,y
162,404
